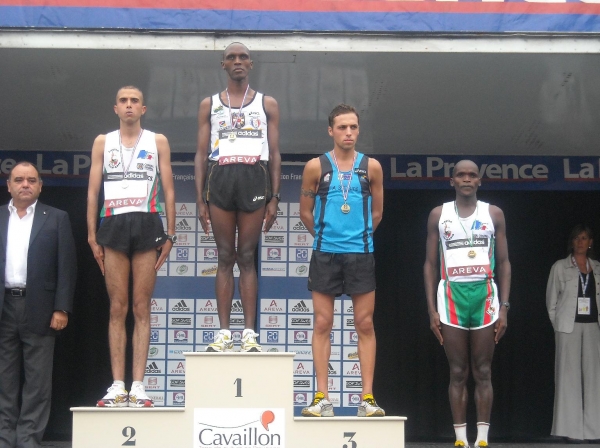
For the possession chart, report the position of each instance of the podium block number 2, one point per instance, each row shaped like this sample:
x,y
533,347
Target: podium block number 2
x,y
349,436
129,431
238,383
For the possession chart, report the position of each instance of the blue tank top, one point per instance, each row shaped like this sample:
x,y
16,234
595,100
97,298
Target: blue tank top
x,y
335,231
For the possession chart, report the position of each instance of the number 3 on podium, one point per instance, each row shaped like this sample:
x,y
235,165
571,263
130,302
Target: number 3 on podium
x,y
352,444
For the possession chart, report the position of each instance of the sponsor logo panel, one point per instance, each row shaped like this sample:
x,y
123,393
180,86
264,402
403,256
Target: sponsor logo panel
x,y
352,399
155,367
207,269
206,305
272,321
208,254
294,321
154,382
273,254
272,348
301,351
294,209
181,320
333,368
157,351
185,239
158,320
176,367
280,225
175,382
212,427
185,209
273,269
274,239
158,305
350,338
158,336
181,270
162,271
182,254
282,209
186,224
350,354
354,384
177,351
300,336
334,384
348,322
301,240
298,269
181,336
273,305
157,397
302,306
176,398
207,321
273,336
351,369
237,307
303,383
206,240
301,398
300,254
181,305
296,225
303,368
335,337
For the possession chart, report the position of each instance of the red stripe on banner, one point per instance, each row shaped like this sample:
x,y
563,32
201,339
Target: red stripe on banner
x,y
522,7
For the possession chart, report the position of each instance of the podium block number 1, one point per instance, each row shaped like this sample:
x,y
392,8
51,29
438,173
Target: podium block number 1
x,y
238,383
349,436
129,431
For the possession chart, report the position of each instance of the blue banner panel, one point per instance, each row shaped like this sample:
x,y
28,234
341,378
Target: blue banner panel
x,y
309,15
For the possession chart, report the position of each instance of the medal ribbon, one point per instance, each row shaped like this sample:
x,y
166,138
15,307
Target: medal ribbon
x,y
461,224
125,171
341,176
241,107
584,285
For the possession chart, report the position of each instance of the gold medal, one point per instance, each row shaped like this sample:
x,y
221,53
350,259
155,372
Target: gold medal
x,y
472,254
232,136
345,208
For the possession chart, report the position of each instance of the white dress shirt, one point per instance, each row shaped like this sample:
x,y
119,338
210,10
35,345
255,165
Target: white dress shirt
x,y
17,246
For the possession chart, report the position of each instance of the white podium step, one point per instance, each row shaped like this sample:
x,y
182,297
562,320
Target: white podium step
x,y
232,400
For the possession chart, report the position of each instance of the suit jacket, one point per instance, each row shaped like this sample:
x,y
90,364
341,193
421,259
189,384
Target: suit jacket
x,y
51,265
561,293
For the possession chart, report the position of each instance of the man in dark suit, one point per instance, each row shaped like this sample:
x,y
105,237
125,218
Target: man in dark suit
x,y
38,270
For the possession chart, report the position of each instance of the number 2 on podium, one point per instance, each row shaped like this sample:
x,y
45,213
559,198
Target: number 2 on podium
x,y
238,383
131,434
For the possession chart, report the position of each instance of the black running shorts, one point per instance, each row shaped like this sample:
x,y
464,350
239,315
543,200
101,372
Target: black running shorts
x,y
131,232
238,186
339,274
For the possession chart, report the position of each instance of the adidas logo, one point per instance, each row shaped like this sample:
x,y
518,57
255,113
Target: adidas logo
x,y
299,226
300,307
331,370
152,368
236,307
181,306
182,226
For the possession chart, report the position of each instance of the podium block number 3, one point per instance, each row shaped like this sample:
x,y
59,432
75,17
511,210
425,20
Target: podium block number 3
x,y
349,436
238,383
129,431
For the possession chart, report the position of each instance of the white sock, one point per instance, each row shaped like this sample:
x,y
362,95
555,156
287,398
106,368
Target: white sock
x,y
119,383
461,432
137,383
482,432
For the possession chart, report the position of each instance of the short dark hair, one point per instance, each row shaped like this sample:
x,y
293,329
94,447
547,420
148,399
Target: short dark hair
x,y
460,161
236,43
25,163
130,87
342,109
575,232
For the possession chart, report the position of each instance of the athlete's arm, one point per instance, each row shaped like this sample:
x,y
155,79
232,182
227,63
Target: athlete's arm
x,y
166,179
376,180
430,270
308,191
94,185
503,270
272,110
201,162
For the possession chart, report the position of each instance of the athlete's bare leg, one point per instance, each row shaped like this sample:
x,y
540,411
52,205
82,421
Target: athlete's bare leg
x,y
116,275
456,345
482,353
223,224
249,228
321,344
144,278
364,306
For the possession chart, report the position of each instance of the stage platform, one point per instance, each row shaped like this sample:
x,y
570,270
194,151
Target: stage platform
x,y
415,445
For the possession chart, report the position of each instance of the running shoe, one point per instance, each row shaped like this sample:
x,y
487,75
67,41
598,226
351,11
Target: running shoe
x,y
249,343
481,443
138,397
320,407
461,443
222,342
115,398
369,407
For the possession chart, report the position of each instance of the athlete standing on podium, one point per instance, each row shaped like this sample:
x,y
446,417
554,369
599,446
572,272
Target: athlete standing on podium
x,y
344,190
238,167
133,162
469,237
